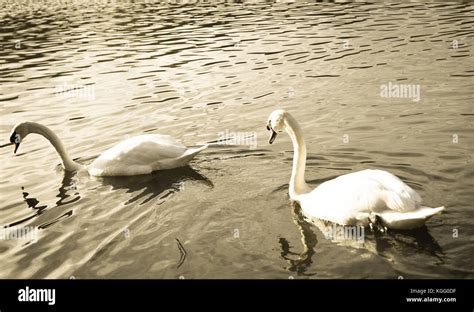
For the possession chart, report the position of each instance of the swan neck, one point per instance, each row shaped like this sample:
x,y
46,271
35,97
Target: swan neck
x,y
298,184
44,131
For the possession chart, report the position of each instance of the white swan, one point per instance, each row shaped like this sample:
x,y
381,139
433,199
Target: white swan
x,y
352,199
134,156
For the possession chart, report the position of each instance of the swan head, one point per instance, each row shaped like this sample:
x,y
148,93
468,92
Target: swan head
x,y
19,132
276,123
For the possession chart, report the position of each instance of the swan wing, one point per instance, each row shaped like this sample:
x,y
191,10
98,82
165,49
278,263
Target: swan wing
x,y
137,155
355,196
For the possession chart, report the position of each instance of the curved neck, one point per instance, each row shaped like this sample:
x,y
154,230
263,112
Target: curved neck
x,y
67,162
298,185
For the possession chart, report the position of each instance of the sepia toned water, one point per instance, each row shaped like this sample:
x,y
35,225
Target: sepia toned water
x,y
97,72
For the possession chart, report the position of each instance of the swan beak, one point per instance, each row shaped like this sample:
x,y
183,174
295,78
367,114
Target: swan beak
x,y
13,140
272,137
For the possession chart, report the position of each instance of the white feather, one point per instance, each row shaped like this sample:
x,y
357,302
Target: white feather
x,y
354,198
134,156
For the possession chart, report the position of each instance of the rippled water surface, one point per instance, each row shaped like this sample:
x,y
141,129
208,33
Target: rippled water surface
x,y
97,72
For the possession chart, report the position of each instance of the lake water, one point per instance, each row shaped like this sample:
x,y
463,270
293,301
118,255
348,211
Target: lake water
x,y
97,72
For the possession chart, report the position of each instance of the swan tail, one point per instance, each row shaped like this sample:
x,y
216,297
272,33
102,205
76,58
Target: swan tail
x,y
195,151
190,153
408,220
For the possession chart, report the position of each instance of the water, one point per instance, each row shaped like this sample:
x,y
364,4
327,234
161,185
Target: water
x,y
97,72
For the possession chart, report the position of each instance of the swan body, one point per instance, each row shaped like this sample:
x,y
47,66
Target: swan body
x,y
137,155
351,199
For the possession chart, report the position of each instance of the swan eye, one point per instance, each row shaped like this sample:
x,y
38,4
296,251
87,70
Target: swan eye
x,y
268,127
